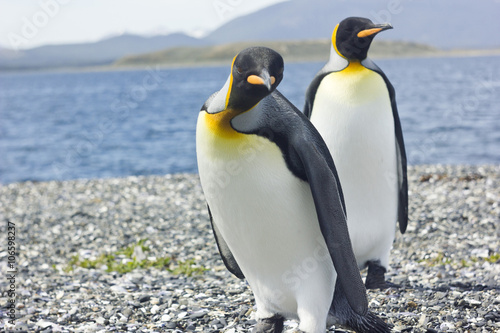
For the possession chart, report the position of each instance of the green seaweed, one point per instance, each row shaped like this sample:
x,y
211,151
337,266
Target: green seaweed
x,y
442,259
114,263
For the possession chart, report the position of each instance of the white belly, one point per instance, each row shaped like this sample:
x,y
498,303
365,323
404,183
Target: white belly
x,y
353,114
267,217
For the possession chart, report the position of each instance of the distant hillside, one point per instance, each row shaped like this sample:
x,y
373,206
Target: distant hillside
x,y
90,54
309,50
443,24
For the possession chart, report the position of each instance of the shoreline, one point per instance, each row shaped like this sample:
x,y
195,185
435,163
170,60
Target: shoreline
x,y
448,261
194,174
224,62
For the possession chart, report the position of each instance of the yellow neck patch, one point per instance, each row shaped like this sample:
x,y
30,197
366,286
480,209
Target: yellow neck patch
x,y
354,67
220,123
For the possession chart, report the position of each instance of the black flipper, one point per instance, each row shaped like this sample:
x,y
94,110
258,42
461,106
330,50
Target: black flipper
x,y
402,174
311,93
225,252
400,149
341,314
332,221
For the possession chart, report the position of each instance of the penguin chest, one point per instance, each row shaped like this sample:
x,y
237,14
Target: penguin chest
x,y
353,113
265,214
256,201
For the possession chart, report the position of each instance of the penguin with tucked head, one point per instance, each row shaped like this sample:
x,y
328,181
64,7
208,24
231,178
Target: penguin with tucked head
x,y
276,205
353,105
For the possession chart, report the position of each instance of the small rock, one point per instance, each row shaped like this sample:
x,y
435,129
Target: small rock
x,y
73,311
439,295
60,294
480,253
127,312
165,317
422,322
446,326
155,309
198,314
412,304
118,289
43,324
472,302
144,298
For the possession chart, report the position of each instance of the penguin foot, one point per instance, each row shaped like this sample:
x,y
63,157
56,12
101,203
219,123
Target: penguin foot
x,y
269,325
375,278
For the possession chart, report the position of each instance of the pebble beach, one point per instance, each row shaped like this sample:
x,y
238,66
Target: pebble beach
x,y
447,262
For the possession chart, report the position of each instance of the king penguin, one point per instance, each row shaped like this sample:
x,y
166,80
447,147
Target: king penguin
x,y
353,106
276,205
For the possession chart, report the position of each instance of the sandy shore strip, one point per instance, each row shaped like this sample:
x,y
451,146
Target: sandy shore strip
x,y
70,235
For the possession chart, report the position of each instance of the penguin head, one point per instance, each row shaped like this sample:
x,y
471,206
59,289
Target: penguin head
x,y
353,36
255,73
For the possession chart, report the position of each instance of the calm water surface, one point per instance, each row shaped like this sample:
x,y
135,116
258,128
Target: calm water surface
x,y
119,123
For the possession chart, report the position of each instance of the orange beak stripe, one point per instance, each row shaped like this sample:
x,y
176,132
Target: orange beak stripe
x,y
368,32
254,79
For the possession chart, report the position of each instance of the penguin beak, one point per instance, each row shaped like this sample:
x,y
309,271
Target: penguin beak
x,y
375,30
263,79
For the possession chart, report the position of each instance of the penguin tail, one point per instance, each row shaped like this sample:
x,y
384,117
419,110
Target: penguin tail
x,y
370,323
343,315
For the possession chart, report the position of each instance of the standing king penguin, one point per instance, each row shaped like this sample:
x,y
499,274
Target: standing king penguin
x,y
352,104
276,205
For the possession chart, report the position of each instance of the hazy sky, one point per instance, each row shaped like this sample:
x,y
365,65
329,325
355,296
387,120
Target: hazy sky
x,y
30,23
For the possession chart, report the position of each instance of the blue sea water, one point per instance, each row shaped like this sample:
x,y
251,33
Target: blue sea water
x,y
67,125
